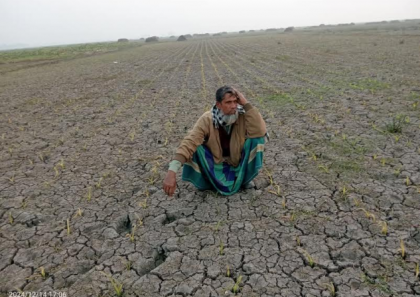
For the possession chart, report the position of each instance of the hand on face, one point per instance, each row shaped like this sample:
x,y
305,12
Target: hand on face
x,y
241,98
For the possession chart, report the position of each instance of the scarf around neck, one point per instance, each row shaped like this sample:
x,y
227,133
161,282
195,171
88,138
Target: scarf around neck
x,y
218,115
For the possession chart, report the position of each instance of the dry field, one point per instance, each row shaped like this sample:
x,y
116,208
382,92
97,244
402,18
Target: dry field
x,y
85,144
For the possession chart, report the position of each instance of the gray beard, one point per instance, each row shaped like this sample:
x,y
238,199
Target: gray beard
x,y
229,119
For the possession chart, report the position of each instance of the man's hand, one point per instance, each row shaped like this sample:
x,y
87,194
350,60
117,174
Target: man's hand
x,y
241,98
169,184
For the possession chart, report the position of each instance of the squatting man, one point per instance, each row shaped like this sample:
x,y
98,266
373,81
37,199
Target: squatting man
x,y
224,150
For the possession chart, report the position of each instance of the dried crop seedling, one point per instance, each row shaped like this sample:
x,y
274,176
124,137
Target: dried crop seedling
x,y
402,249
384,229
42,272
368,214
78,213
68,226
270,176
277,192
117,286
309,258
89,194
143,204
331,289
131,235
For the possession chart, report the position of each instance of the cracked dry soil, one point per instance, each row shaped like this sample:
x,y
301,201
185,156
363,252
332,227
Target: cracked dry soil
x,y
85,144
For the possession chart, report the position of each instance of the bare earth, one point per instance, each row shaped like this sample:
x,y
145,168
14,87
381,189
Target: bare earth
x,y
85,144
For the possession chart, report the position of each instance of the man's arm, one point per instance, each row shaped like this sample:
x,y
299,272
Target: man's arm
x,y
184,153
192,140
254,123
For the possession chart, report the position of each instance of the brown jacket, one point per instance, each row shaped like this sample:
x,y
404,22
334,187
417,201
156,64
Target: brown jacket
x,y
248,125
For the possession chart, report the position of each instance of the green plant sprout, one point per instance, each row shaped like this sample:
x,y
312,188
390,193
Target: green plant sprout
x,y
217,227
11,220
221,248
228,270
42,272
292,217
417,270
235,288
396,125
383,161
128,265
298,242
397,171
89,194
344,191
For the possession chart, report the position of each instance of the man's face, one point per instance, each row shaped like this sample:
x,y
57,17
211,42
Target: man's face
x,y
229,104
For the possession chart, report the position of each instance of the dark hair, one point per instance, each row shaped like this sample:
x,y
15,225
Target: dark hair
x,y
221,92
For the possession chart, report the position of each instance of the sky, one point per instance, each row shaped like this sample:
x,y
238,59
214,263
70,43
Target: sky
x,y
53,22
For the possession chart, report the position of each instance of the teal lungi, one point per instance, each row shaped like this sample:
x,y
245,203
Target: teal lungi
x,y
224,178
